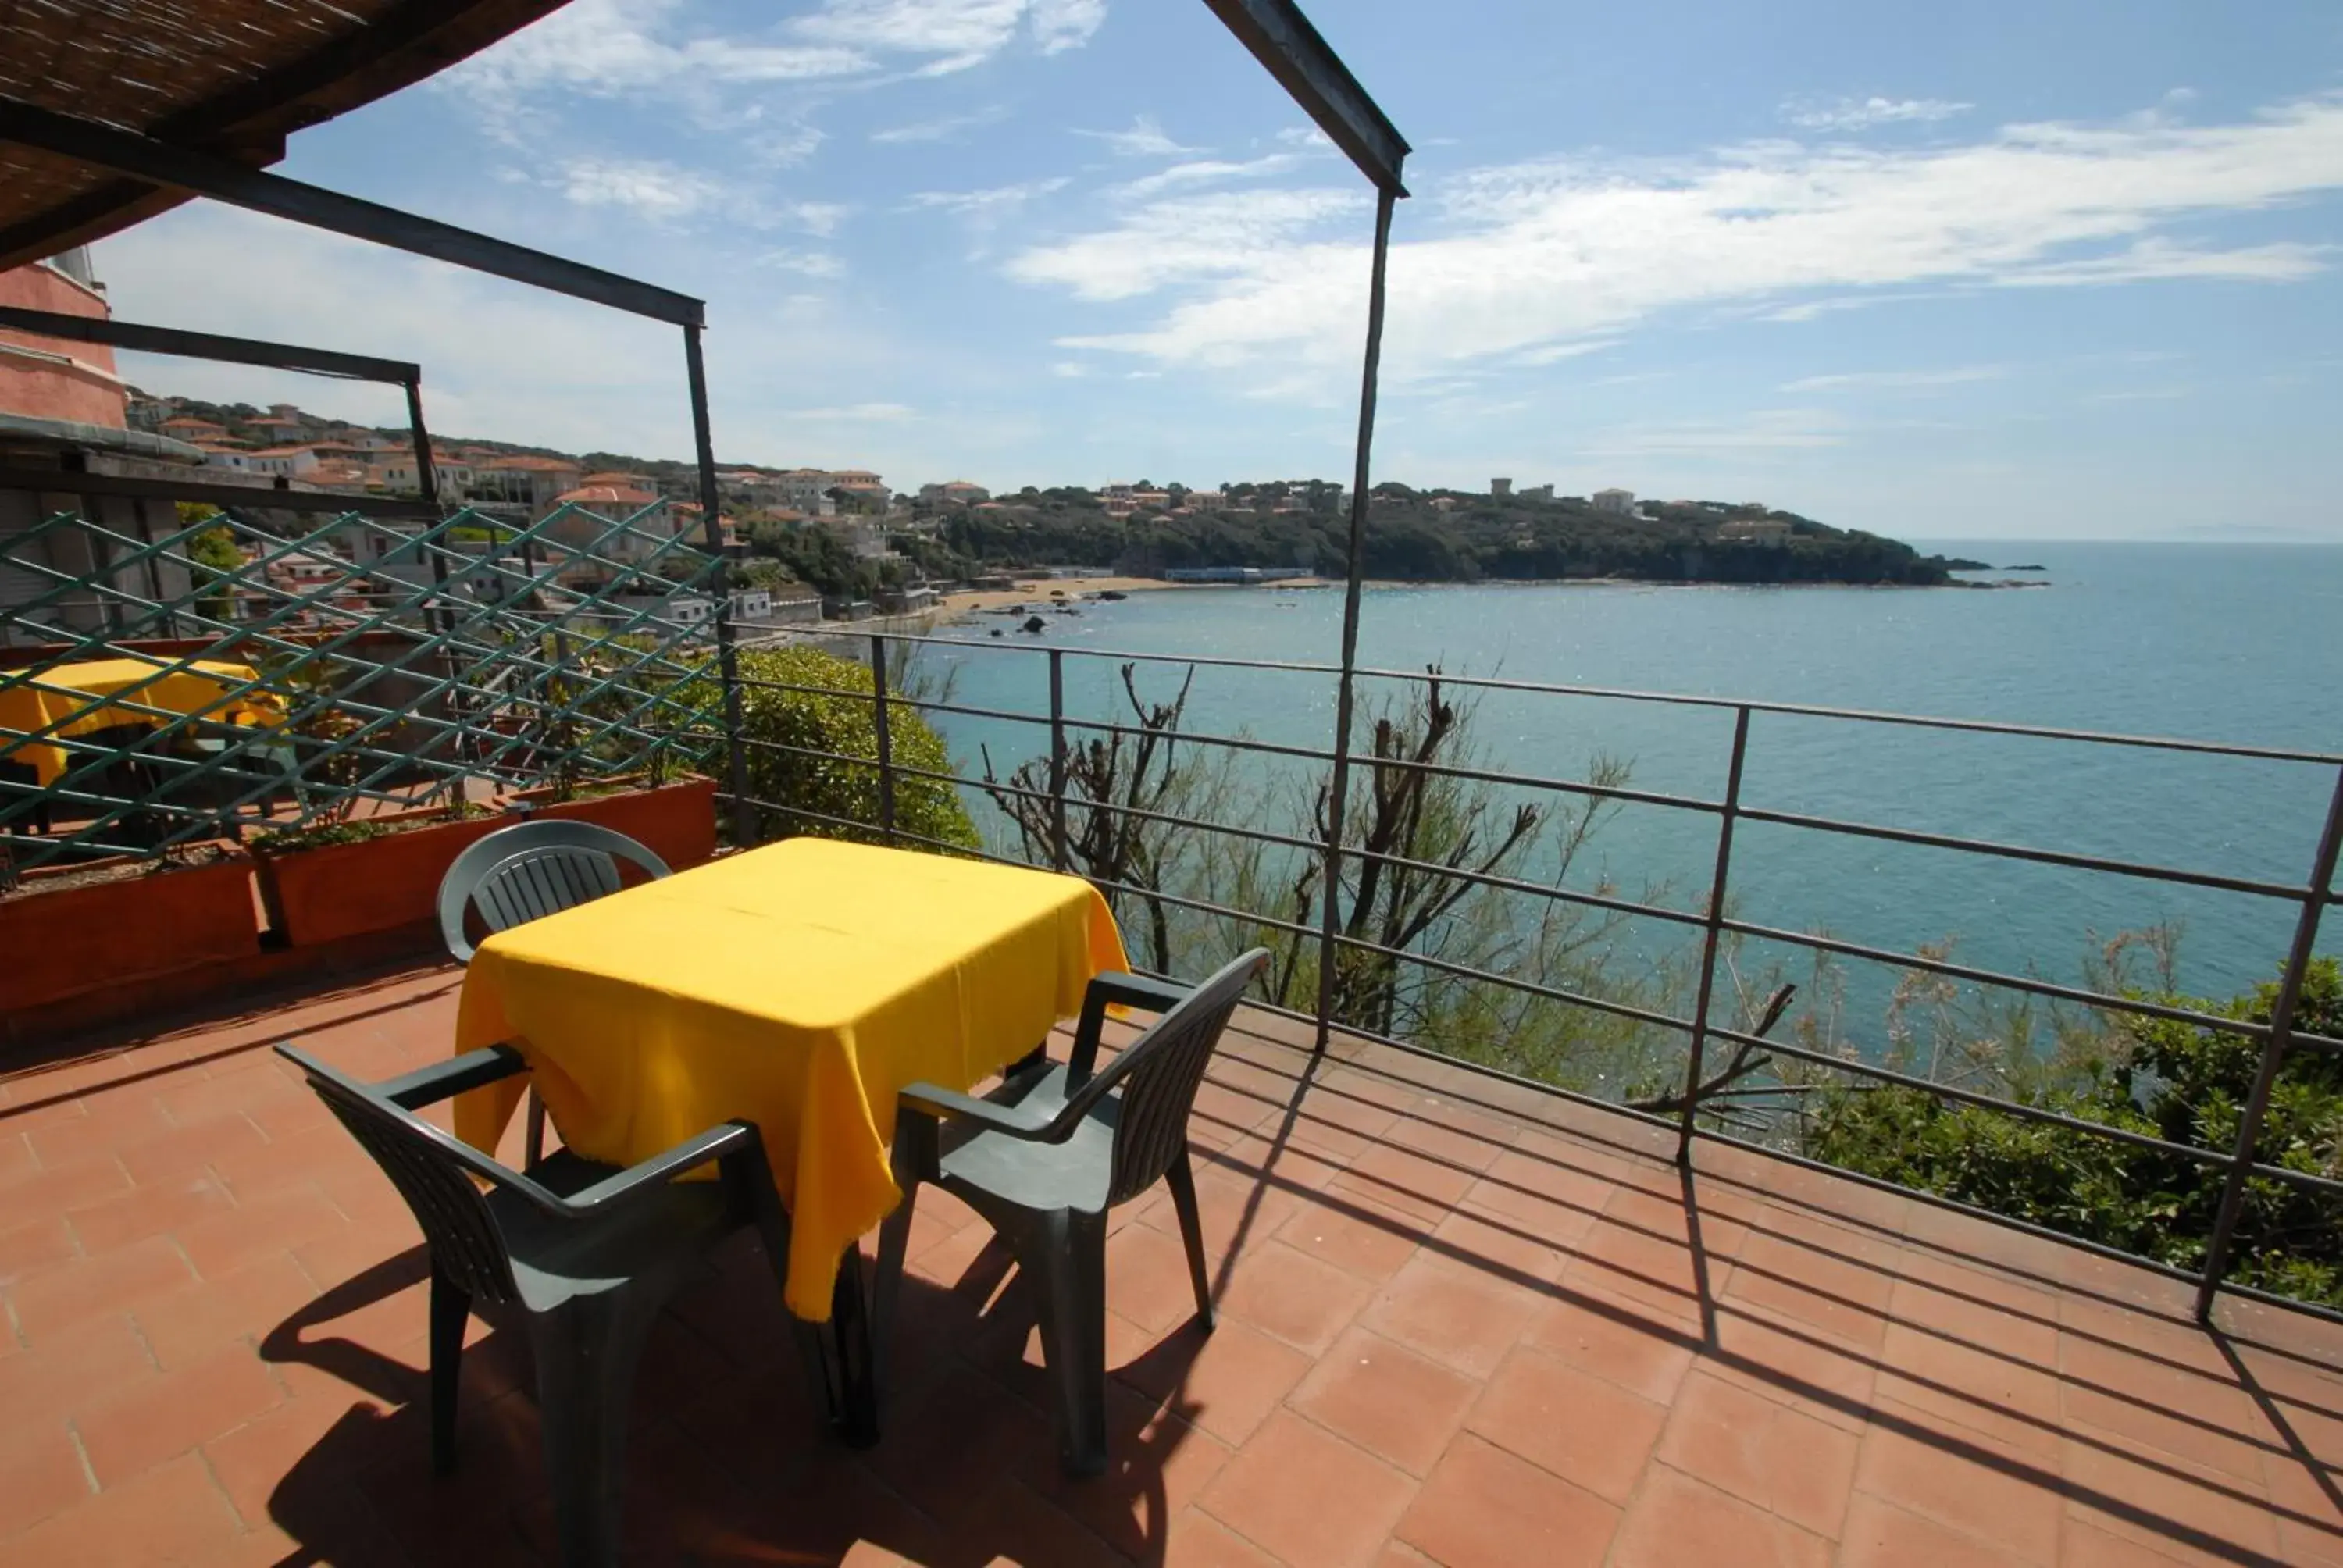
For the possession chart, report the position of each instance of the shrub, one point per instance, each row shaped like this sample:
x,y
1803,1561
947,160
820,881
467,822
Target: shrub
x,y
843,725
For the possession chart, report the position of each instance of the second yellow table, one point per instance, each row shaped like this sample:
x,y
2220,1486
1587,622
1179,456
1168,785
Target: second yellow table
x,y
800,986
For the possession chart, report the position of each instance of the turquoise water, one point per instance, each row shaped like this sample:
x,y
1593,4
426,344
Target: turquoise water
x,y
2224,643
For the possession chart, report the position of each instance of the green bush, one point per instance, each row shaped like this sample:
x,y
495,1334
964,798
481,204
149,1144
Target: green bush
x,y
845,726
2170,1079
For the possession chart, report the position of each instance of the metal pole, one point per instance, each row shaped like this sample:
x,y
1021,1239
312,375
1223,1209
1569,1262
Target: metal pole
x,y
443,622
2281,1026
1385,199
1715,926
728,662
1058,856
878,706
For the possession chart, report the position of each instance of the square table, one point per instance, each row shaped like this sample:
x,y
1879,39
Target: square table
x,y
800,986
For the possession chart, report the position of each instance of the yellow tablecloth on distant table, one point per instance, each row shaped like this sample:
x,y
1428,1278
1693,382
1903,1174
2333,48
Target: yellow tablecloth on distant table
x,y
74,697
800,986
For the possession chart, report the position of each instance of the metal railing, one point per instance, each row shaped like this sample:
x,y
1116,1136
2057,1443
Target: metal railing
x,y
2278,1038
232,671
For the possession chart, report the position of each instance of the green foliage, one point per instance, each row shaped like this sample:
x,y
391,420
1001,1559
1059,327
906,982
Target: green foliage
x,y
2170,1079
840,721
813,554
214,556
1465,538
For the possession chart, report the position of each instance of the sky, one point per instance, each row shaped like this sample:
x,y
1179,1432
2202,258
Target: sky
x,y
2049,270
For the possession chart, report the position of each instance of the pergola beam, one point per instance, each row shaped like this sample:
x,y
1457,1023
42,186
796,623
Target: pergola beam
x,y
1281,38
206,345
201,173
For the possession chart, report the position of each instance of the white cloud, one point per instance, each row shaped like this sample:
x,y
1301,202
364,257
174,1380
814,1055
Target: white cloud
x,y
1895,380
615,47
1536,256
810,263
1204,171
1767,429
1145,139
991,202
645,186
1861,115
819,219
855,413
941,130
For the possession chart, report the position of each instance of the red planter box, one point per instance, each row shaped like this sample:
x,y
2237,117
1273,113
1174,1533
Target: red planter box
x,y
379,884
676,821
66,941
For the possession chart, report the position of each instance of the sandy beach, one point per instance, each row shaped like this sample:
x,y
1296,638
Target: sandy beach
x,y
1042,592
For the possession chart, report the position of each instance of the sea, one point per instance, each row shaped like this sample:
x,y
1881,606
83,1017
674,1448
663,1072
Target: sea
x,y
2236,644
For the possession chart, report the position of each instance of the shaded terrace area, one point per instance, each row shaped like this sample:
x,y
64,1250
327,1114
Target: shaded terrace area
x,y
1463,1322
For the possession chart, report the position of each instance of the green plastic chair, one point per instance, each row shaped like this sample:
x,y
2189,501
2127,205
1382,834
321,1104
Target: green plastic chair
x,y
581,1255
1054,1150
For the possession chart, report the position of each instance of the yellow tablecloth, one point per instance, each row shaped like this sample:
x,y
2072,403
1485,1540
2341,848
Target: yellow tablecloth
x,y
82,705
801,986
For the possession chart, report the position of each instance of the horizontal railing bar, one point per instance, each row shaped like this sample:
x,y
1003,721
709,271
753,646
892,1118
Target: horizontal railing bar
x,y
2315,1180
969,643
1537,782
1536,889
2273,1299
59,482
2087,998
759,743
2025,852
1881,1184
932,706
1553,993
1187,737
1870,716
893,698
1268,922
1675,699
729,798
1972,1096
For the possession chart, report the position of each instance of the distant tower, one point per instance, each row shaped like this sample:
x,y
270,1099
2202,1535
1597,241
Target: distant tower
x,y
1501,487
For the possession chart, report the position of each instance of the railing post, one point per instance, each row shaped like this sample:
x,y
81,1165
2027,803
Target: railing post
x,y
1058,856
886,749
2281,1029
1339,785
728,660
1713,930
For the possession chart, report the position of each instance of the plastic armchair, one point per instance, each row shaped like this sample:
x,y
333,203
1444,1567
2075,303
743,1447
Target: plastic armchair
x,y
581,1255
524,873
1056,1149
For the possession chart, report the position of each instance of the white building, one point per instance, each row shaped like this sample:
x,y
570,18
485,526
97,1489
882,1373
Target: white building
x,y
1619,503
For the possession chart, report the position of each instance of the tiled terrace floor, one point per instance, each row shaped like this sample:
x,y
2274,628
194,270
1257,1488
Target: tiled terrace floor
x,y
1461,1325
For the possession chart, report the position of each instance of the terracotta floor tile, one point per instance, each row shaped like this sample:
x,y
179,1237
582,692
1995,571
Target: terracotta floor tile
x,y
41,1473
1795,1363
140,1428
1388,1400
189,1148
1617,1260
943,1454
2009,1400
72,1292
89,1178
1146,1277
1980,1306
2153,1499
184,1324
1397,1177
1293,1296
1307,1497
1157,1464
1881,1535
1593,1433
1454,1313
252,1460
96,1359
2144,1398
1626,1342
150,1210
1199,1541
1226,1382
172,1514
273,1224
1485,1508
2310,1513
1234,1211
1355,1234
38,1245
1497,1245
1761,1451
1677,1519
2009,1500
1847,1300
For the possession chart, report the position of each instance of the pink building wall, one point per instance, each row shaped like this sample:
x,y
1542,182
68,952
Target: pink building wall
x,y
59,380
